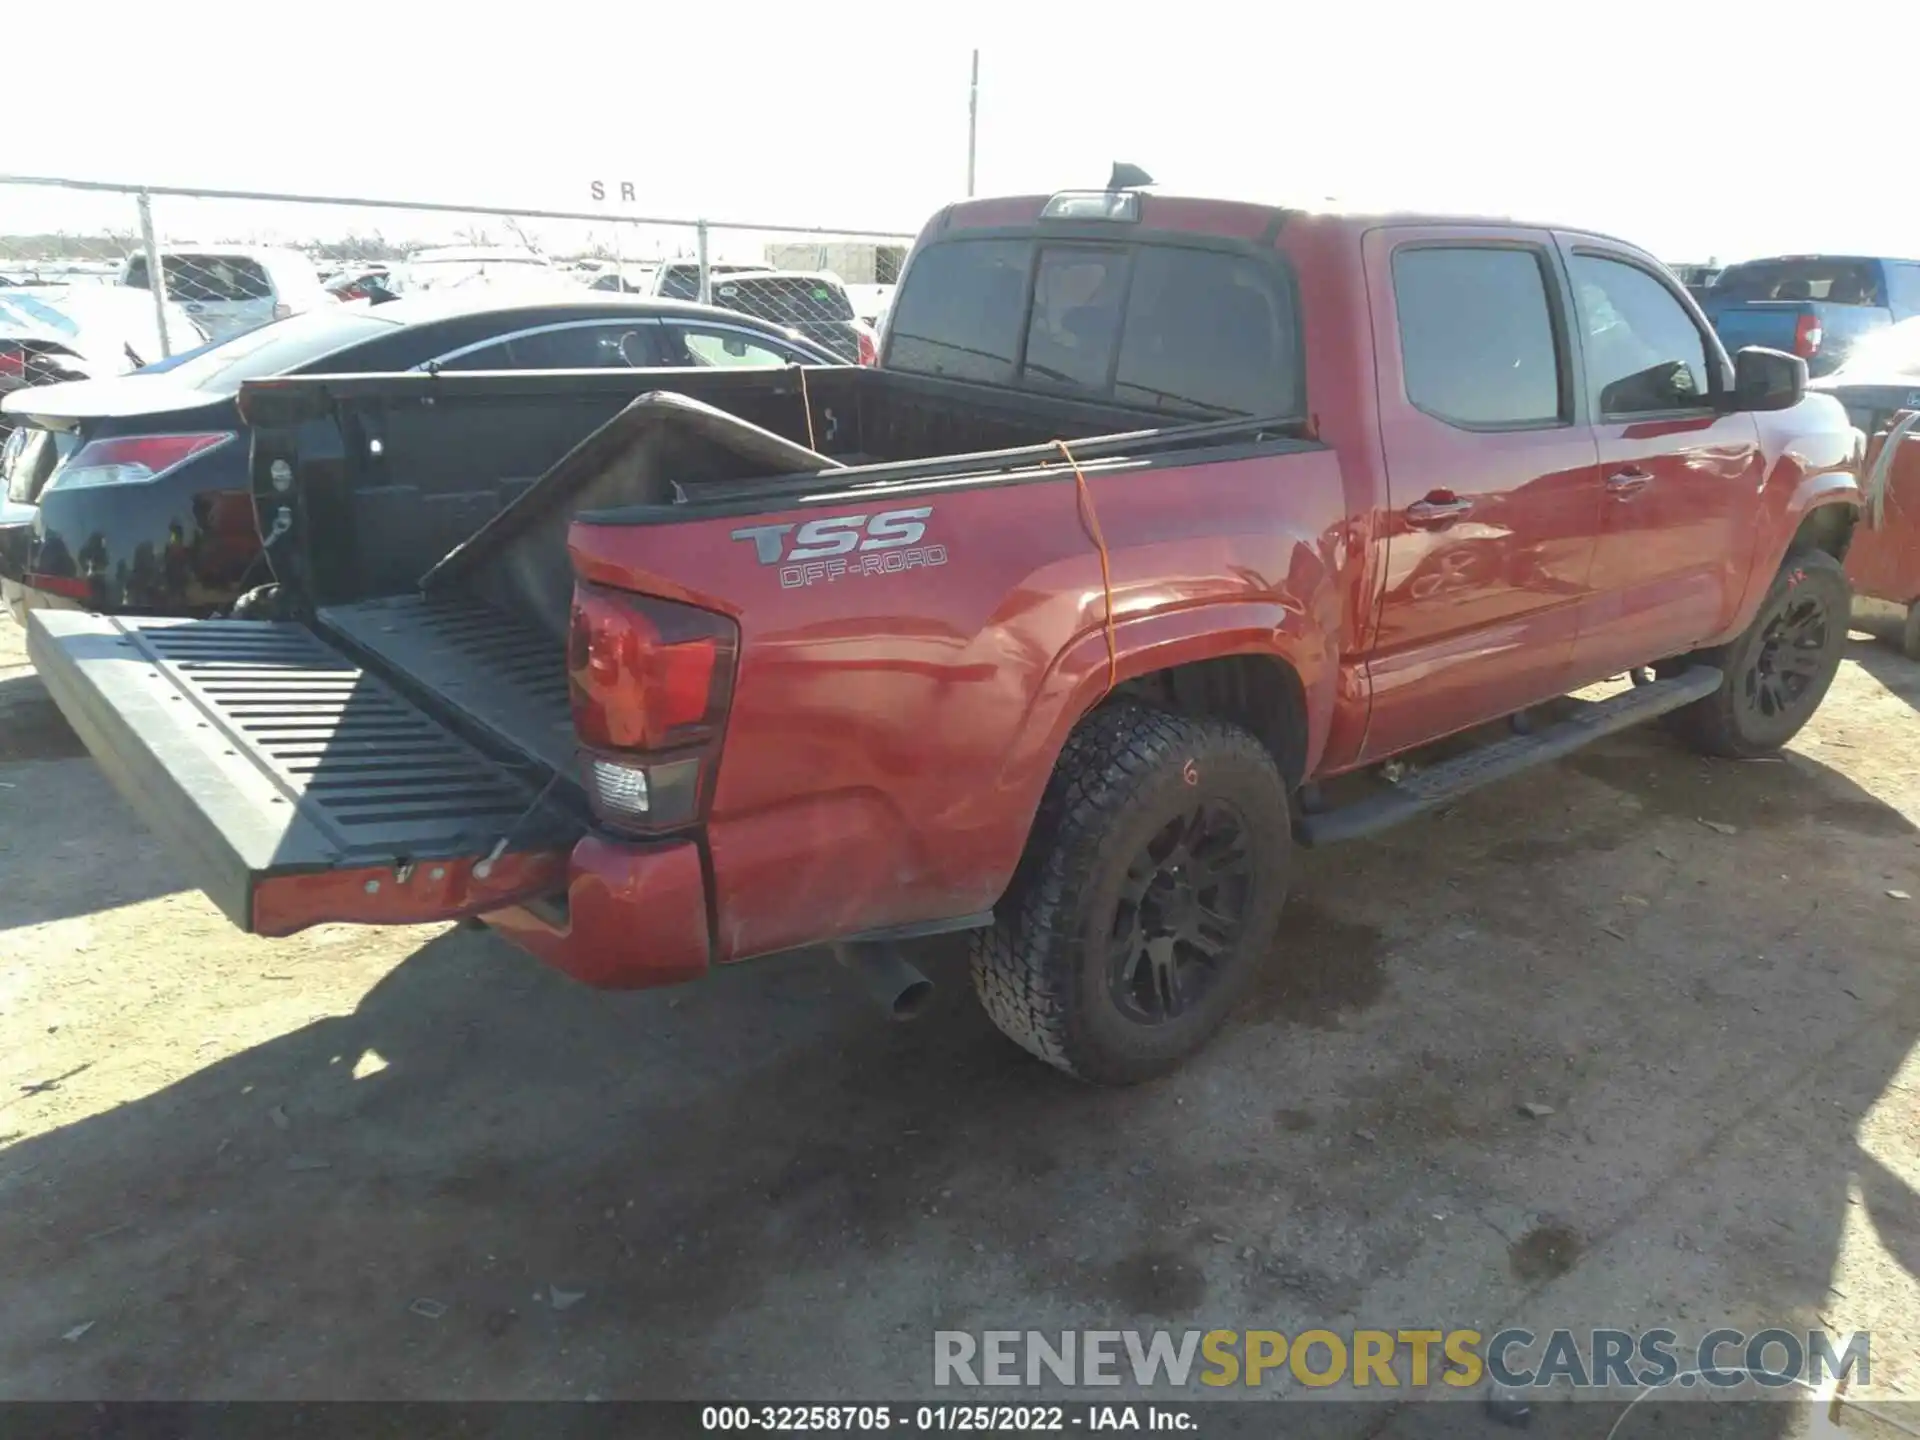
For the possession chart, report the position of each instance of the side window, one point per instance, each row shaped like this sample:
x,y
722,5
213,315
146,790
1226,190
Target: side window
x,y
214,279
680,282
622,346
720,347
487,357
1476,335
1644,353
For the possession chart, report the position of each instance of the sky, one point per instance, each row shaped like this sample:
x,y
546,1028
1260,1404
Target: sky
x,y
1694,131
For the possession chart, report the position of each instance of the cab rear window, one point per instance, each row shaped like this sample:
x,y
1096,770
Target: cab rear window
x,y
1191,331
1831,281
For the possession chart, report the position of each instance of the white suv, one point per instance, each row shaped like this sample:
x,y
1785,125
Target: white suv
x,y
230,290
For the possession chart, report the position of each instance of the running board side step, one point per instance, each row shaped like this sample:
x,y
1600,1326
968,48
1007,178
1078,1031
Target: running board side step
x,y
1449,780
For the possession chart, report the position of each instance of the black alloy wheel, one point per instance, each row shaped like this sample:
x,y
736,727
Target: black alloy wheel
x,y
1182,910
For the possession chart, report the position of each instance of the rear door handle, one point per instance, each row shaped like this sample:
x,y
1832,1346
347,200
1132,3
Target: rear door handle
x,y
1623,483
1435,511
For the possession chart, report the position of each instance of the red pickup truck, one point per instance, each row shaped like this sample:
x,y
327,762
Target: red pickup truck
x,y
1158,514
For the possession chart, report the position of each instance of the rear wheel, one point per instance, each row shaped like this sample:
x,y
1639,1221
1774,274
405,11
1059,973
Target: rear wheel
x,y
1147,899
1910,633
1778,670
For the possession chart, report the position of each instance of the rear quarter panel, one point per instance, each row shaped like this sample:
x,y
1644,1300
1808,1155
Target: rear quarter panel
x,y
891,733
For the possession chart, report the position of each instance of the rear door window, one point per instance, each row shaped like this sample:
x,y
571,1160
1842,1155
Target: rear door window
x,y
214,278
1189,330
681,282
783,299
1476,335
618,345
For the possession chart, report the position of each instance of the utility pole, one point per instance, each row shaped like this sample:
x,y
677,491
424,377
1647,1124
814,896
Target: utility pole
x,y
973,118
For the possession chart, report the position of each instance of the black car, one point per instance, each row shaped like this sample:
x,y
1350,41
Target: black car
x,y
132,494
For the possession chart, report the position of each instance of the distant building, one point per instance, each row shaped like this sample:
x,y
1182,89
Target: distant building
x,y
856,262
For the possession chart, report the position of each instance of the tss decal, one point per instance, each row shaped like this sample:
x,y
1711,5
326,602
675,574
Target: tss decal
x,y
882,544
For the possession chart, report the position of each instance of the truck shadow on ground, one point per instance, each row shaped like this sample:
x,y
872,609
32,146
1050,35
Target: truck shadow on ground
x,y
763,1189
31,726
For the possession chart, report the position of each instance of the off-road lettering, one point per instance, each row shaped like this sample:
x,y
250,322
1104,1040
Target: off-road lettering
x,y
767,541
840,535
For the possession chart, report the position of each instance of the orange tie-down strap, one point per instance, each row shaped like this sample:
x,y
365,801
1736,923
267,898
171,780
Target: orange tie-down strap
x,y
1090,518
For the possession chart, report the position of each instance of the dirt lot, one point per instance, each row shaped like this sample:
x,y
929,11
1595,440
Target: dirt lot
x,y
239,1162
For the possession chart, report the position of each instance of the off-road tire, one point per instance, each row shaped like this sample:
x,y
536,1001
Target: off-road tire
x,y
1043,968
1725,722
1910,633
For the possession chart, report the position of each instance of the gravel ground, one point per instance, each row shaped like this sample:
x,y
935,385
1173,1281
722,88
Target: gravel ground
x,y
240,1162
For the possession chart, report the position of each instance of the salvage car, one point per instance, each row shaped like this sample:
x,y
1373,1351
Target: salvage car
x,y
227,291
1056,627
132,494
54,333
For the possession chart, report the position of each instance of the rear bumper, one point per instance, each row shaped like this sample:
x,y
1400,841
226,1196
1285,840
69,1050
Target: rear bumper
x,y
635,916
296,789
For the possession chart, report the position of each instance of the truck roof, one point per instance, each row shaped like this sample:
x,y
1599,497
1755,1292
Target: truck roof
x,y
1232,219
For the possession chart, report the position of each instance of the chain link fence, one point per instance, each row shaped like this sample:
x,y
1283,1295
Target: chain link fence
x,y
174,269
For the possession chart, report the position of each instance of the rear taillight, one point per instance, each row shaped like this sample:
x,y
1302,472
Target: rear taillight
x,y
1806,337
869,345
650,681
132,459
13,362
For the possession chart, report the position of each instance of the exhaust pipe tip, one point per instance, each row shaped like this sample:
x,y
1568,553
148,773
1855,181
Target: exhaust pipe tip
x,y
896,986
912,1002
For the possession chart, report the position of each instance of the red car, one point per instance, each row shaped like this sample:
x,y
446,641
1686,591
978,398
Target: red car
x,y
1157,515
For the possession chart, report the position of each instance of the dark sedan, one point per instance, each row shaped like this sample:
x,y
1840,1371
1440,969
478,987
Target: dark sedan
x,y
132,494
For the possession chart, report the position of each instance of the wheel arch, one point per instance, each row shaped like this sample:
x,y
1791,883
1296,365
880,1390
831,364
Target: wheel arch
x,y
1828,526
1258,691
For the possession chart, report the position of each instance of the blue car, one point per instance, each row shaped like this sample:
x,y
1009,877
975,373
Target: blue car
x,y
1815,306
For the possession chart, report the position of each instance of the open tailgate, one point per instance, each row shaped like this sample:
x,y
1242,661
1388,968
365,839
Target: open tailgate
x,y
292,786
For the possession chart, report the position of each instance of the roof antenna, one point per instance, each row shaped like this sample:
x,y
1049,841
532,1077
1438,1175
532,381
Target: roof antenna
x,y
1128,177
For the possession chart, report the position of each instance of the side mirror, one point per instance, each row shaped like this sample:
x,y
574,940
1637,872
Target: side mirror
x,y
1766,379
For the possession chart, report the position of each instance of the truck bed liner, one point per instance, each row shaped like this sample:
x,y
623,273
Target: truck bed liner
x,y
257,751
504,677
